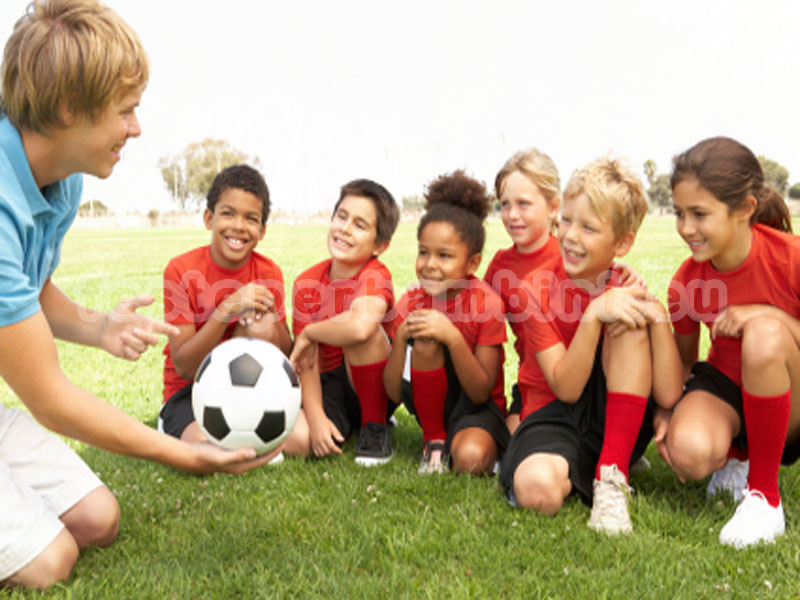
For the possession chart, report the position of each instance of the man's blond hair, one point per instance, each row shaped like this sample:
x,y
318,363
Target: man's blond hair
x,y
614,192
73,54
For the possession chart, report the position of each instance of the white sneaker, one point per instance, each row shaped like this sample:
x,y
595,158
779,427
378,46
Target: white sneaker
x,y
610,502
731,478
277,459
754,521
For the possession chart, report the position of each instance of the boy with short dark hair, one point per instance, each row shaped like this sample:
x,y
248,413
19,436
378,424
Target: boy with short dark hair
x,y
339,323
72,74
594,351
222,290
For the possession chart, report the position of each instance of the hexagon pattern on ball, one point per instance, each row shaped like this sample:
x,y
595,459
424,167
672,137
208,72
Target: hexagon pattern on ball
x,y
246,394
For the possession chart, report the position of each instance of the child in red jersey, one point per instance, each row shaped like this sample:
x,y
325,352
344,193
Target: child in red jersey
x,y
529,190
219,291
339,322
594,351
454,325
743,282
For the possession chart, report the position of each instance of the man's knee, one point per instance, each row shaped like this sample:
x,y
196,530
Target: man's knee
x,y
52,565
94,521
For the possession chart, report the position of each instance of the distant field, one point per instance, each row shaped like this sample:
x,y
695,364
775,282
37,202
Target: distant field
x,y
331,529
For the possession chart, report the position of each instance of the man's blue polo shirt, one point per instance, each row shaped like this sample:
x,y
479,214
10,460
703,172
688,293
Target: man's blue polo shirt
x,y
33,223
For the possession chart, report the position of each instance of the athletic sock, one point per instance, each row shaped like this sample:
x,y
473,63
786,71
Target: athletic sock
x,y
368,384
624,414
740,454
429,389
767,420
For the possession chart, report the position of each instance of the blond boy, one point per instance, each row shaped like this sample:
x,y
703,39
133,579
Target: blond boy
x,y
595,352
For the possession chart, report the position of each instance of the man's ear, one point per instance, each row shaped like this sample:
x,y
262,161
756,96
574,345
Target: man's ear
x,y
624,243
207,214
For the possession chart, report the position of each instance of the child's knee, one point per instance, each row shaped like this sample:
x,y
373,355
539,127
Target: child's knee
x,y
471,457
692,452
426,352
539,490
764,340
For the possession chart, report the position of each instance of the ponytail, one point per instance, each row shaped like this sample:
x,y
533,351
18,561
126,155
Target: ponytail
x,y
772,210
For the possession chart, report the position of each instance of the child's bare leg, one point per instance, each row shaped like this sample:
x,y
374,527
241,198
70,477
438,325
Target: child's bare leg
x,y
473,451
541,482
374,349
699,434
512,422
299,441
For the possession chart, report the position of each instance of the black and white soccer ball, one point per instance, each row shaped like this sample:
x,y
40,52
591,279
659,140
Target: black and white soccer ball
x,y
246,395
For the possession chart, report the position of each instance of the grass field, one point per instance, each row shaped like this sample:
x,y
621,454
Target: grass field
x,y
328,528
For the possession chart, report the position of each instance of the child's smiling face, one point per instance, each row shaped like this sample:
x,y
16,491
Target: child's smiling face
x,y
587,241
526,213
352,234
443,260
235,226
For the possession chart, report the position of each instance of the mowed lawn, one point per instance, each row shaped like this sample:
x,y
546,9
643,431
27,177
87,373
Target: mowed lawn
x,y
329,528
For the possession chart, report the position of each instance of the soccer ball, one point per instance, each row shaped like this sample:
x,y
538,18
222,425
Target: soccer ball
x,y
246,394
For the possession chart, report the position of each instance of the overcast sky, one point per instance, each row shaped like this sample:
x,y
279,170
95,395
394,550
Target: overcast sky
x,y
400,92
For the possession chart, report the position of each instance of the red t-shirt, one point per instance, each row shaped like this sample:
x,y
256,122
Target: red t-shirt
x,y
316,298
194,285
557,305
477,313
769,275
505,274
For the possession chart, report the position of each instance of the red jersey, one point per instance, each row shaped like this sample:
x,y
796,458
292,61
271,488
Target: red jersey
x,y
769,275
477,313
557,305
505,274
194,285
316,298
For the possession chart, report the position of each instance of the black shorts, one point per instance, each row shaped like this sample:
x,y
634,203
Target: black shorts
x,y
461,413
176,413
574,431
706,377
340,401
516,401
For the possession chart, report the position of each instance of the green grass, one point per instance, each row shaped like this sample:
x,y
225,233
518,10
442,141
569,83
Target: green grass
x,y
331,529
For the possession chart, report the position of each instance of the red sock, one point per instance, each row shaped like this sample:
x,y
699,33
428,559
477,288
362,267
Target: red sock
x,y
738,453
624,414
767,420
429,389
368,384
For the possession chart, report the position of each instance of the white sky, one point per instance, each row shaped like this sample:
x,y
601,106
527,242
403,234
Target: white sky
x,y
400,92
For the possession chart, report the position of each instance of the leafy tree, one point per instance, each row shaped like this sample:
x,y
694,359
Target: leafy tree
x,y
775,175
93,208
650,169
794,192
659,190
412,204
188,175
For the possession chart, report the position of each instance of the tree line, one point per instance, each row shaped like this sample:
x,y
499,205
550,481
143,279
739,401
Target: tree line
x,y
188,175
